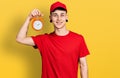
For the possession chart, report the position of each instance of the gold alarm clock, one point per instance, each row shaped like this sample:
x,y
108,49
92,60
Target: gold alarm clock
x,y
37,23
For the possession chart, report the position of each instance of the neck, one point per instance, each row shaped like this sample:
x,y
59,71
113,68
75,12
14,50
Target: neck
x,y
61,31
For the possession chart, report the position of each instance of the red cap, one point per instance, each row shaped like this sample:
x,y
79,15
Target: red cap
x,y
56,5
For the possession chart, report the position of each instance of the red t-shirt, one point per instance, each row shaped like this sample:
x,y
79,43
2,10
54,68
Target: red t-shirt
x,y
60,54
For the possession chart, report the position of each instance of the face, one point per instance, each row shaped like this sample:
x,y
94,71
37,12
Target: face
x,y
59,18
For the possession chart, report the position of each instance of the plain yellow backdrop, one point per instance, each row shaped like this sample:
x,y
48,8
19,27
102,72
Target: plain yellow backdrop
x,y
97,20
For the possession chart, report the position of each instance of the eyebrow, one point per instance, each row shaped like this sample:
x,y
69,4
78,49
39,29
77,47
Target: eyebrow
x,y
56,13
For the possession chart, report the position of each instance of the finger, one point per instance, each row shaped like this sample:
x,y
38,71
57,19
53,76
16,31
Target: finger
x,y
38,12
32,13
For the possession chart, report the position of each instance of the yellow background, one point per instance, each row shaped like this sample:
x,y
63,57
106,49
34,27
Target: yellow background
x,y
97,20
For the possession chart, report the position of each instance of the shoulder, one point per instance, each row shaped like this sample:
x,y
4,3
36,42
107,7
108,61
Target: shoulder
x,y
77,35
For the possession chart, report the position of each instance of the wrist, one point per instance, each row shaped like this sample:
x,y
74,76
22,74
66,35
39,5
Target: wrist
x,y
29,18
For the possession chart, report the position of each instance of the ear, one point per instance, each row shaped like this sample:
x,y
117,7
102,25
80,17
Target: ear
x,y
50,18
66,18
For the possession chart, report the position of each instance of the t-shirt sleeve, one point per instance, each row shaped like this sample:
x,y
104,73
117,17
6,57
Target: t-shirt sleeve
x,y
37,41
83,48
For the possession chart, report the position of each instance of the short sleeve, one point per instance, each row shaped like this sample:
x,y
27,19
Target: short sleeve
x,y
83,48
38,41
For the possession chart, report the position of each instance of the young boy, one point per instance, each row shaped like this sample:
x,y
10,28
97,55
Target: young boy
x,y
62,49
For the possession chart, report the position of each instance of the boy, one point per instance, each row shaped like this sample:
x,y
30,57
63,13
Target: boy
x,y
62,49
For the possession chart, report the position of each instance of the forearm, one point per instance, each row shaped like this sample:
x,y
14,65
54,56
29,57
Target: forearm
x,y
24,29
84,71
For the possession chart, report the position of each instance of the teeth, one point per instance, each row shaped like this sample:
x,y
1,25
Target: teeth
x,y
58,22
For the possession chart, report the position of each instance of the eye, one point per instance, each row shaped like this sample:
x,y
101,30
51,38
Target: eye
x,y
62,15
54,15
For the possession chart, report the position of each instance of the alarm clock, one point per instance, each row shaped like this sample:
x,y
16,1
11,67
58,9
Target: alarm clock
x,y
37,23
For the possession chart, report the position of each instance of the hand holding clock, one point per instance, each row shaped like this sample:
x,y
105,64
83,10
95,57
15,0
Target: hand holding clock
x,y
36,18
34,13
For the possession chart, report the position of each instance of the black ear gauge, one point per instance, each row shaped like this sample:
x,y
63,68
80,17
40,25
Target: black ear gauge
x,y
66,20
50,20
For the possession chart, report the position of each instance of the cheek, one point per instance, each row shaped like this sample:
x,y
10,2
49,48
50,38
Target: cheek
x,y
64,19
53,19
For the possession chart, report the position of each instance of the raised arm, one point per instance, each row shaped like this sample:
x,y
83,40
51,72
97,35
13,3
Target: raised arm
x,y
22,34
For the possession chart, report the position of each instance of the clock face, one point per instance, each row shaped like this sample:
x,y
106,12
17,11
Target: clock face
x,y
37,25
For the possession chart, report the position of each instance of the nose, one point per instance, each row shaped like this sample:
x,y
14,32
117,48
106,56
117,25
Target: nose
x,y
58,18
